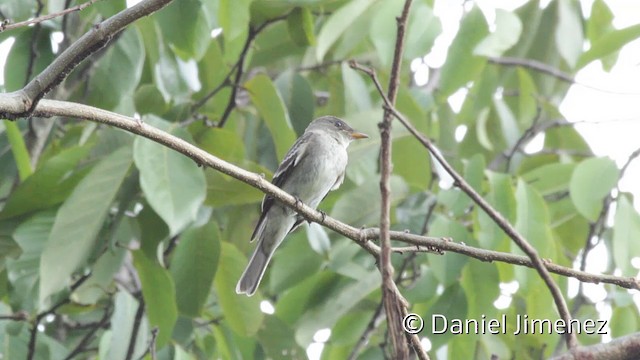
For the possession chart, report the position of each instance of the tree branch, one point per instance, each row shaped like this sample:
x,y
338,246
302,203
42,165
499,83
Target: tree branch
x,y
460,182
622,348
4,26
21,103
394,303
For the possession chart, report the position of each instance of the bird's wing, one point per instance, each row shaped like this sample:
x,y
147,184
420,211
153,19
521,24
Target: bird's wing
x,y
291,160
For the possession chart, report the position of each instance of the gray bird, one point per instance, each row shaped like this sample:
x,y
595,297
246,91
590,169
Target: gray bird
x,y
313,166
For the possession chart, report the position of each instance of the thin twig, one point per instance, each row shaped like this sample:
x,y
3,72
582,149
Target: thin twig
x,y
549,70
137,320
461,183
253,33
81,347
39,19
36,322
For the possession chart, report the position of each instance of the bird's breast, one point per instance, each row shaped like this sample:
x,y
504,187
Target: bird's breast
x,y
317,172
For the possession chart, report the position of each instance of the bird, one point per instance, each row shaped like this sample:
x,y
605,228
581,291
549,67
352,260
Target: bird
x,y
314,165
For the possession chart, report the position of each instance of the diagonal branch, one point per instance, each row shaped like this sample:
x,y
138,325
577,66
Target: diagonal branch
x,y
21,103
460,182
8,26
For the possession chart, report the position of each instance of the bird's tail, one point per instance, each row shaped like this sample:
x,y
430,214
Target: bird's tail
x,y
254,271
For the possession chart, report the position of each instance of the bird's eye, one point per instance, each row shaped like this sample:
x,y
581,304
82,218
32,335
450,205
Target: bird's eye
x,y
339,124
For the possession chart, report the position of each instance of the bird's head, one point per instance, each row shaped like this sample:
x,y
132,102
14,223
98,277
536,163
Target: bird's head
x,y
336,127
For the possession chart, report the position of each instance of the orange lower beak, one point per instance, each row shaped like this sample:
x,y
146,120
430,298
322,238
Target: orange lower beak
x,y
358,135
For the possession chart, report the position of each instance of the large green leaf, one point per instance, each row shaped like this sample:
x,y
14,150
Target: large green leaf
x,y
298,96
23,273
569,38
115,343
532,220
338,23
587,194
191,38
172,183
193,267
361,206
158,292
334,307
241,313
271,107
625,246
233,17
127,53
78,222
608,44
462,65
49,185
19,57
506,34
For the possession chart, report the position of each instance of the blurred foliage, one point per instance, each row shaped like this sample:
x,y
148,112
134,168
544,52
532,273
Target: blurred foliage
x,y
136,221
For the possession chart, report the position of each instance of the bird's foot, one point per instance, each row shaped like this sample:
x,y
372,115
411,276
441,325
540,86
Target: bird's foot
x,y
324,216
298,204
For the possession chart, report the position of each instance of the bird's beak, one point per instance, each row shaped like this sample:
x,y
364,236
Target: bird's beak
x,y
355,135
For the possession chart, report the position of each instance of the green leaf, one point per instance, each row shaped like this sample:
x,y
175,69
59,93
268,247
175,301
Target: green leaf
x,y
189,39
115,344
295,261
18,59
356,94
568,36
266,99
277,339
382,32
448,269
452,304
172,183
587,194
506,34
532,220
298,96
19,150
527,100
300,24
502,198
461,65
625,247
126,53
193,267
23,273
233,17
241,313
339,21
148,99
158,292
608,44
49,185
361,206
78,222
600,21
551,178
422,30
480,282
334,307
624,321
101,283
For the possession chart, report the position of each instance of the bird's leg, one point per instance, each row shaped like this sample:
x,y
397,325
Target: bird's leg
x,y
298,204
